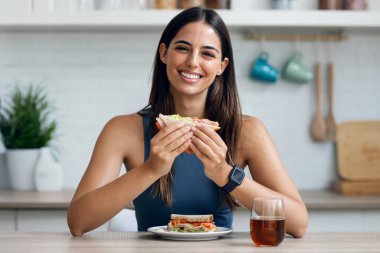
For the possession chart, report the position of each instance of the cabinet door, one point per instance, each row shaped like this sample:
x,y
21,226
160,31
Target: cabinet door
x,y
344,220
7,221
241,220
41,220
44,221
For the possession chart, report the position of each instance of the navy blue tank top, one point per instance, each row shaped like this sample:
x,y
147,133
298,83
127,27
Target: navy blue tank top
x,y
192,192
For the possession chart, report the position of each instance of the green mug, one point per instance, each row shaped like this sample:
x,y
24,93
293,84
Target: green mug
x,y
295,71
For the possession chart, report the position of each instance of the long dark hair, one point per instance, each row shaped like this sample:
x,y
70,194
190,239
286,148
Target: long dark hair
x,y
222,102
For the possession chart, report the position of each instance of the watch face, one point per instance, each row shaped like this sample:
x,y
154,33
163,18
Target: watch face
x,y
237,175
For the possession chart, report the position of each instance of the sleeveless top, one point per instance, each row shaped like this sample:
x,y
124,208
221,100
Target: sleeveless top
x,y
192,191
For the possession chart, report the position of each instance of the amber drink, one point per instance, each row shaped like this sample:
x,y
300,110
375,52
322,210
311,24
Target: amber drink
x,y
267,223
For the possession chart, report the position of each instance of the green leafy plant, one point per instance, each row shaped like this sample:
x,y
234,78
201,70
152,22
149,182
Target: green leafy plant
x,y
24,119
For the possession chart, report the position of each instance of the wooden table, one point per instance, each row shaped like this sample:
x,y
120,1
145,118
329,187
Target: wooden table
x,y
136,242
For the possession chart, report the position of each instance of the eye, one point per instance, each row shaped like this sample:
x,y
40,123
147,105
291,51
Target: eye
x,y
208,54
181,48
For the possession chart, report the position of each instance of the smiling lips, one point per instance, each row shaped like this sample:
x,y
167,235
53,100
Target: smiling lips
x,y
193,77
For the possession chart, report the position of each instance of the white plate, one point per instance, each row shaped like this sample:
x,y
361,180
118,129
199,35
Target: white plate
x,y
188,236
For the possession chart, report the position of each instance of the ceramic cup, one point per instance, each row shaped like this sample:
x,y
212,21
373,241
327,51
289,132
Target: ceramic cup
x,y
263,71
295,71
281,4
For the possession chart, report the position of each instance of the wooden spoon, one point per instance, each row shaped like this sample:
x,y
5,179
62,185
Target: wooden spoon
x,y
330,120
318,124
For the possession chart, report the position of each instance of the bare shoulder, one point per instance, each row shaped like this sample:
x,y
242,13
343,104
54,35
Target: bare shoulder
x,y
119,124
252,138
123,125
252,126
123,131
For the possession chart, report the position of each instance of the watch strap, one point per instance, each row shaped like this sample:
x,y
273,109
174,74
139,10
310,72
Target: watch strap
x,y
235,179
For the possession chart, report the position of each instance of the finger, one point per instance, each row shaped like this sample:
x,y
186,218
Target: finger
x,y
173,136
197,152
202,147
168,130
205,138
212,134
177,143
182,148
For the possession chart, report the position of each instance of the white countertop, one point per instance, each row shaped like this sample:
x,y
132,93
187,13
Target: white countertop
x,y
238,242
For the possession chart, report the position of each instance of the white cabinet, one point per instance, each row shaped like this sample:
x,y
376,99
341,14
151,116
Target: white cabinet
x,y
41,220
328,211
7,220
35,211
44,220
36,220
344,220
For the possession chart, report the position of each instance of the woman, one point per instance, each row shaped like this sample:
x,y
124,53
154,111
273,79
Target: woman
x,y
193,76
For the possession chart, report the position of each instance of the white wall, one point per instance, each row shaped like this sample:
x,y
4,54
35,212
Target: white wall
x,y
92,77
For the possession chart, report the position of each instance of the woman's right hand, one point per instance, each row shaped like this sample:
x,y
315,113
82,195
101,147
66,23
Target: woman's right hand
x,y
166,145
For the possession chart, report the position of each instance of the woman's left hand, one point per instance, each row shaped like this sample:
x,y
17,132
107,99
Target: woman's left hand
x,y
211,150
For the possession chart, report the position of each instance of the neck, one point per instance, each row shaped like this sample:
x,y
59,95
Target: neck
x,y
190,106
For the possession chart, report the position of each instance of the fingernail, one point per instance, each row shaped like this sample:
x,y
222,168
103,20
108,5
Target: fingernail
x,y
181,123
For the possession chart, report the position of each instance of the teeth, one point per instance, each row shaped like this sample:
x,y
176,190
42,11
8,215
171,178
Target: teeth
x,y
191,76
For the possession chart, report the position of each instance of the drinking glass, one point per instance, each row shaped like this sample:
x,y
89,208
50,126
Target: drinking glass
x,y
267,223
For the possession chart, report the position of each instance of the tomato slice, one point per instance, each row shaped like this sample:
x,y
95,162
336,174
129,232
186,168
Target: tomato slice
x,y
158,126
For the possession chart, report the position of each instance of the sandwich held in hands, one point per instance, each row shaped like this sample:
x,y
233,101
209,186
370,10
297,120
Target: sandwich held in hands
x,y
191,223
165,120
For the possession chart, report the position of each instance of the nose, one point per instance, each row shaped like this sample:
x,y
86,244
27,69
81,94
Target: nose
x,y
192,60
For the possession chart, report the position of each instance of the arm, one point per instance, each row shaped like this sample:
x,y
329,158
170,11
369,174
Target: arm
x,y
101,193
271,179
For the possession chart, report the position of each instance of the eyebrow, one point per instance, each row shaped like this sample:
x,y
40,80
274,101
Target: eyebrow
x,y
188,43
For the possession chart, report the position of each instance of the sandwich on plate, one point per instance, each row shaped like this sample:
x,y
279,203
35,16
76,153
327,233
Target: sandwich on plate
x,y
165,120
191,223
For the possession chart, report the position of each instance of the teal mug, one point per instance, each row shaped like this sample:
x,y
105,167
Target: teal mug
x,y
295,71
263,71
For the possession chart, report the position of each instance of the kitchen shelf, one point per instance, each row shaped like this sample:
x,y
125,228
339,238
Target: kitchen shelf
x,y
314,200
153,19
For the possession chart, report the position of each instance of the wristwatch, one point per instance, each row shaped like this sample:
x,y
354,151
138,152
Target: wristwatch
x,y
234,179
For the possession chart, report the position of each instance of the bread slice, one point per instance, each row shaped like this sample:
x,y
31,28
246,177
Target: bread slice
x,y
193,218
164,120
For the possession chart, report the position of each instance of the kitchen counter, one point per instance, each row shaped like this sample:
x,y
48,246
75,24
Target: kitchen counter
x,y
328,211
35,200
61,200
146,242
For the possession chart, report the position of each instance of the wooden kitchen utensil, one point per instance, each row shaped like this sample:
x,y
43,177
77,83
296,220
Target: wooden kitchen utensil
x,y
318,124
358,150
330,120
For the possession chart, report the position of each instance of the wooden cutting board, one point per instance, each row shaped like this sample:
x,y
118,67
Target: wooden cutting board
x,y
358,150
356,187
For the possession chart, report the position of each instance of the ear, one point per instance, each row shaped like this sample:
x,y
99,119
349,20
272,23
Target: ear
x,y
163,53
223,66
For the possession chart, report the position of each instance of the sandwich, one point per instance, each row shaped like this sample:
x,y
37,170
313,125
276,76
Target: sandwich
x,y
165,120
191,223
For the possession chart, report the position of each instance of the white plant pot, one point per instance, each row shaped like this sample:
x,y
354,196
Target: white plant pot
x,y
21,165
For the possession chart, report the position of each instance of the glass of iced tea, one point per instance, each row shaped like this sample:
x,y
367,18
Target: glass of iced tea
x,y
267,223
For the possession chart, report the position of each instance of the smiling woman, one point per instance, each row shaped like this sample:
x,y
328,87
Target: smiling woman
x,y
193,76
193,59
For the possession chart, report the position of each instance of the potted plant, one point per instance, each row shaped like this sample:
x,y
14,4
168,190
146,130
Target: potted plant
x,y
25,127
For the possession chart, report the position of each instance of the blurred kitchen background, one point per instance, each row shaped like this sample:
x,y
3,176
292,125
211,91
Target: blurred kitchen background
x,y
95,64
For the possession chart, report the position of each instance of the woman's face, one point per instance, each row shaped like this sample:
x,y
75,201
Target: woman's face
x,y
193,59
